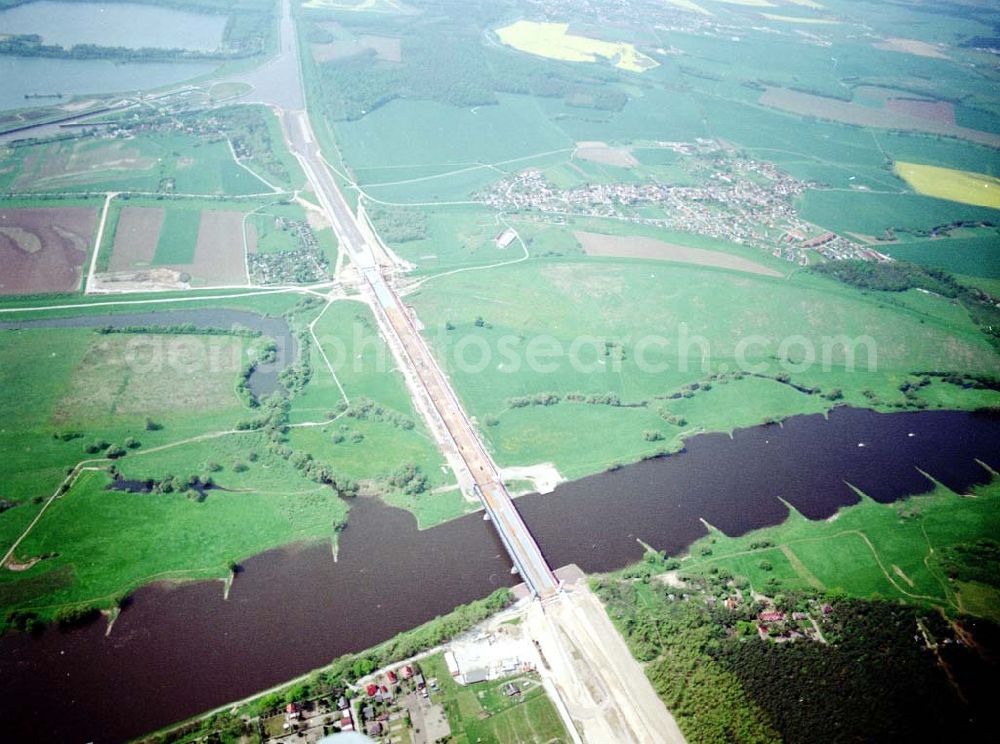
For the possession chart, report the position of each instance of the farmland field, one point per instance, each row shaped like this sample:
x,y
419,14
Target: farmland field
x,y
44,250
170,163
807,104
204,244
616,246
552,40
954,185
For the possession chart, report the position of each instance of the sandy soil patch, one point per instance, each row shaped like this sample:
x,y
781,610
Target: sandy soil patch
x,y
807,104
911,46
601,152
135,237
44,250
602,685
618,246
154,280
314,215
544,477
13,565
672,579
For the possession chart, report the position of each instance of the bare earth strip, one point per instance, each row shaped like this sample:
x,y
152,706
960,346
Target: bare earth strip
x,y
806,104
135,238
600,152
44,250
604,688
912,46
618,246
218,258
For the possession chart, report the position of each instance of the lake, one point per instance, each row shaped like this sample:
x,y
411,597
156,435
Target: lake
x,y
115,25
178,650
23,76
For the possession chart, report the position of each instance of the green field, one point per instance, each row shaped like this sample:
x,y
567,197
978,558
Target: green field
x,y
483,713
624,302
110,543
168,163
893,551
366,371
178,237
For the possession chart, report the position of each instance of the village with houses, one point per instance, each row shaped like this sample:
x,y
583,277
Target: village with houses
x,y
737,199
481,678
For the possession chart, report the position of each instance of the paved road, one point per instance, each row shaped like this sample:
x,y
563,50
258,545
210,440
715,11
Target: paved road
x,y
395,321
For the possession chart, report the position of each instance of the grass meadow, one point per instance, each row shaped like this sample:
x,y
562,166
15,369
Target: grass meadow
x,y
622,302
866,550
366,370
167,162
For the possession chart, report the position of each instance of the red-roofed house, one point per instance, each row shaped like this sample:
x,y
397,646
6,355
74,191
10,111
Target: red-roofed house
x,y
391,676
772,617
371,690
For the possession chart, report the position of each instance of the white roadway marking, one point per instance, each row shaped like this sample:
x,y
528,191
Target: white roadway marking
x,y
97,241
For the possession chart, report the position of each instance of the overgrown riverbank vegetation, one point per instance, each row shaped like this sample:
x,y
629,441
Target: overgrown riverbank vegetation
x,y
676,371
877,624
199,450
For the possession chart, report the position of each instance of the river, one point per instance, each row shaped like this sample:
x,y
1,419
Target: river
x,y
178,650
24,76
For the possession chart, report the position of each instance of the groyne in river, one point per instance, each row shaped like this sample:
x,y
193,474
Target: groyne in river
x,y
177,650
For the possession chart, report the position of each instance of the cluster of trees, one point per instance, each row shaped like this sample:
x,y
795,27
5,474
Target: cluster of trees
x,y
601,399
409,479
899,276
448,63
538,399
110,450
672,418
891,276
181,329
365,409
874,679
398,224
272,421
297,375
249,130
977,561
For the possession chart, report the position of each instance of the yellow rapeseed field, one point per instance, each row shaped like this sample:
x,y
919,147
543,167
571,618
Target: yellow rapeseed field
x,y
551,40
955,185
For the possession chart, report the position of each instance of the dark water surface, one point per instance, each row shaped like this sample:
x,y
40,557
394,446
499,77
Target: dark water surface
x,y
264,379
178,650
